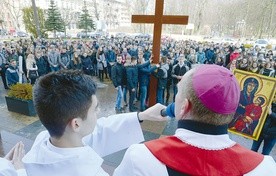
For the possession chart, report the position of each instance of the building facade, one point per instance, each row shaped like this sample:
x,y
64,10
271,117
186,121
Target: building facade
x,y
107,14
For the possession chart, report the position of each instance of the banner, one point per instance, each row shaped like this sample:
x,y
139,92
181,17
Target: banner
x,y
257,92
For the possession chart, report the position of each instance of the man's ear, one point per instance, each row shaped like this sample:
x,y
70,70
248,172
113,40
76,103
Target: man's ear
x,y
74,124
185,108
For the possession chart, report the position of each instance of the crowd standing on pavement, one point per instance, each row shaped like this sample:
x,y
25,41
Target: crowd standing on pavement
x,y
126,62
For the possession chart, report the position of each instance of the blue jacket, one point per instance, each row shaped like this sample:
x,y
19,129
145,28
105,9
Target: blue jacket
x,y
133,52
210,55
12,75
144,75
147,55
110,56
201,57
162,76
86,63
132,74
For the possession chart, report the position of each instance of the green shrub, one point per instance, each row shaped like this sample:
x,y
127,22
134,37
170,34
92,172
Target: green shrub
x,y
21,91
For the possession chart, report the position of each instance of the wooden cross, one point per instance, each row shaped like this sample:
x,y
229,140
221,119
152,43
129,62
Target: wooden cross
x,y
158,19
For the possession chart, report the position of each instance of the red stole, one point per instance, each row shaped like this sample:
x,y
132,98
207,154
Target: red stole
x,y
192,160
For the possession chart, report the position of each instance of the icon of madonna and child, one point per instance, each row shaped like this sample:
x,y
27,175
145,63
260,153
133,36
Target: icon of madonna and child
x,y
251,107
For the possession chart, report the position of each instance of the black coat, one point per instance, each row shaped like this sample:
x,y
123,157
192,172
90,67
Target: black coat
x,y
117,72
42,66
132,76
269,128
178,71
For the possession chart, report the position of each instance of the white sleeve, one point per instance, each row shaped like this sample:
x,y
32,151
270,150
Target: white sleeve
x,y
115,133
21,172
7,169
139,161
267,167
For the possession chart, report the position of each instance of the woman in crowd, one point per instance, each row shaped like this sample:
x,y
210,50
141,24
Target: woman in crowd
x,y
32,73
75,63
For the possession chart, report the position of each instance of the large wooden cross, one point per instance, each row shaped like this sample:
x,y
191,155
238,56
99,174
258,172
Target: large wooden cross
x,y
158,19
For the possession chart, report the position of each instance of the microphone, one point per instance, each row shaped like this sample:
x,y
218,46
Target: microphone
x,y
169,111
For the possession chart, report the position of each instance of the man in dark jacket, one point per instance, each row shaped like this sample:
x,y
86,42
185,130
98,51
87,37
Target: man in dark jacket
x,y
177,72
65,59
42,64
132,80
169,80
110,56
162,76
210,56
147,53
12,73
117,72
144,79
268,133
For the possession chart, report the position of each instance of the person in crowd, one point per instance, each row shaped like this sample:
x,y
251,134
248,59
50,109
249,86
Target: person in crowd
x,y
117,73
267,70
178,71
232,65
32,69
227,55
64,58
75,63
53,58
21,53
235,54
162,76
102,64
86,62
219,61
169,80
111,59
210,55
144,79
12,73
201,120
268,133
133,51
3,66
74,137
132,80
147,53
127,63
94,62
201,56
254,68
42,63
243,65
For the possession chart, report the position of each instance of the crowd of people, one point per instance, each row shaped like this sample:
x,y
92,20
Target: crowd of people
x,y
126,61
75,139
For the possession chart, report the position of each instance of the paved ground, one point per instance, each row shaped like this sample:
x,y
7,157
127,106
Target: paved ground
x,y
16,127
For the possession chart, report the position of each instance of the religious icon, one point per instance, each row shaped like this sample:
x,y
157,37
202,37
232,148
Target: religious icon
x,y
257,92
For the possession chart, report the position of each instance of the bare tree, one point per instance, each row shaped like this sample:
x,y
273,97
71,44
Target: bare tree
x,y
67,16
14,7
96,10
271,15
